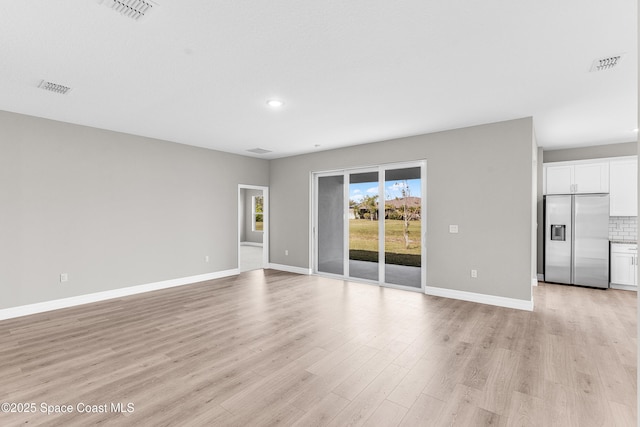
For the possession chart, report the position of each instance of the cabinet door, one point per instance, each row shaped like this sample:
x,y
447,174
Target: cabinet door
x,y
624,188
623,269
591,178
559,179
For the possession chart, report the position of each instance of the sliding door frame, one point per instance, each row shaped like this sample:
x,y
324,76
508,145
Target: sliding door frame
x,y
381,169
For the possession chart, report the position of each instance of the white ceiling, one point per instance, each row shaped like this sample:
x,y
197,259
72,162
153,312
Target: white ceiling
x,y
199,72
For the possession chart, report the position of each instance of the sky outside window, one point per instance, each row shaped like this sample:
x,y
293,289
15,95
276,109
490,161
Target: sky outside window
x,y
393,189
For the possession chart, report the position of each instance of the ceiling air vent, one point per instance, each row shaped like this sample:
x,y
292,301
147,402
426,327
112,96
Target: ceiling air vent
x,y
134,9
605,63
259,151
54,87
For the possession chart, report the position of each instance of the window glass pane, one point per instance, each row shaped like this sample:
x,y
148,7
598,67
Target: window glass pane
x,y
258,223
403,231
363,225
331,224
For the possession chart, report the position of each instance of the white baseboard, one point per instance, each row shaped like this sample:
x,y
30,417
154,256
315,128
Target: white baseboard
x,y
290,269
480,298
540,277
624,287
251,244
25,310
534,281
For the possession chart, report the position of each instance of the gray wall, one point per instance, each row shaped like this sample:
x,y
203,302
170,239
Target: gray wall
x,y
595,152
478,177
246,233
112,210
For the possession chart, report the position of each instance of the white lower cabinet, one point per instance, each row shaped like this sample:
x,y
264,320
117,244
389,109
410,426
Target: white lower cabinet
x,y
624,266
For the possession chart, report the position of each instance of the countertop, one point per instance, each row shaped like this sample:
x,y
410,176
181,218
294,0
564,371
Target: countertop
x,y
626,242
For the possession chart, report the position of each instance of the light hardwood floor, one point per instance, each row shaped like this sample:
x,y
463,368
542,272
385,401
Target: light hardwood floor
x,y
269,348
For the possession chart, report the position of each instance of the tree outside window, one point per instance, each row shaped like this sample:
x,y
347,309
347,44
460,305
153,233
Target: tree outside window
x,y
257,203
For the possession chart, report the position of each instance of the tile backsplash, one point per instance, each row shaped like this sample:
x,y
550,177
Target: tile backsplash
x,y
623,227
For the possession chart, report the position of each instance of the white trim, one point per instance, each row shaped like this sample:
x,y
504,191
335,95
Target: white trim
x,y
540,277
534,281
480,298
251,244
624,287
289,269
25,310
313,259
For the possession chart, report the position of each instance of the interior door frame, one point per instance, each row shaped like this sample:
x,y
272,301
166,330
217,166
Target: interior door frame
x,y
381,169
265,219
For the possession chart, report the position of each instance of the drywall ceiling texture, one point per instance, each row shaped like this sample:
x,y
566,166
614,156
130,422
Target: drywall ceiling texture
x,y
199,72
111,210
479,178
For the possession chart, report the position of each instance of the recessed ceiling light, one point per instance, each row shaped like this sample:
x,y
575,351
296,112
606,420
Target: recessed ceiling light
x,y
275,103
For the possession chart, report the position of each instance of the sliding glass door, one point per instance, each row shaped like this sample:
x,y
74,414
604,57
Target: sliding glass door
x,y
364,225
369,224
330,224
403,226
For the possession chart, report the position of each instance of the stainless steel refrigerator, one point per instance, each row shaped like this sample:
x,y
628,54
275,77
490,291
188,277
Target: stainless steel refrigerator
x,y
577,239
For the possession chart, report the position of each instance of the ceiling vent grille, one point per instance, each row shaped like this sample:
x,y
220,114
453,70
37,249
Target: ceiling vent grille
x,y
605,63
54,87
134,9
259,151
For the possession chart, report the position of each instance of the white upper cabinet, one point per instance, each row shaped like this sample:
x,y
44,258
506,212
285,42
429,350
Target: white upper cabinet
x,y
577,178
559,179
591,178
624,187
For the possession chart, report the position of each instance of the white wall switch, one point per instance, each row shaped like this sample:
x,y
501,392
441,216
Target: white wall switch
x,y
286,252
64,277
453,229
474,273
206,258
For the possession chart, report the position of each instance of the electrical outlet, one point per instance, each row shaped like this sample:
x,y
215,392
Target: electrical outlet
x,y
64,277
286,252
474,274
206,258
453,229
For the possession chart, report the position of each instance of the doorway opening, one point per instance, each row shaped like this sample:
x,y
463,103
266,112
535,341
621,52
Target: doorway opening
x,y
253,227
370,224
